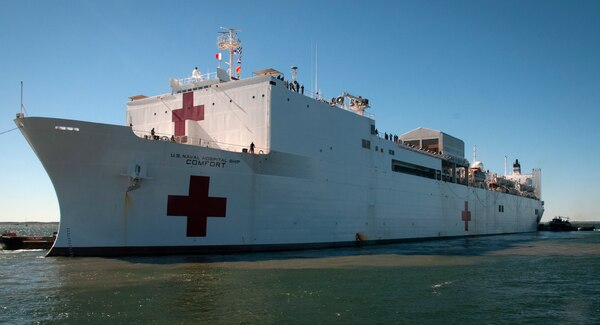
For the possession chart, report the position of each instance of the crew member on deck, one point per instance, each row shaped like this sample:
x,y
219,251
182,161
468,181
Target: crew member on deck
x,y
196,74
252,147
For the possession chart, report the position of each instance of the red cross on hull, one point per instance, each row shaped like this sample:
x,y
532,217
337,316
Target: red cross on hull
x,y
197,206
466,216
187,112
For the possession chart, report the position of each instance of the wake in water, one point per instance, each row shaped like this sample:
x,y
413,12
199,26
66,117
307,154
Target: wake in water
x,y
18,251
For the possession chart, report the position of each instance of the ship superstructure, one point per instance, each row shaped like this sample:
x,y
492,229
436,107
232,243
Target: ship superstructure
x,y
223,164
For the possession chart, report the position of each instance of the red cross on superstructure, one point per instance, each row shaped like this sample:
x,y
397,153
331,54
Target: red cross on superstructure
x,y
466,216
187,112
197,206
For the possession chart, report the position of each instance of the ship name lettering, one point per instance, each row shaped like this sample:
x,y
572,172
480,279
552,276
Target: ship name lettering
x,y
214,159
177,155
197,162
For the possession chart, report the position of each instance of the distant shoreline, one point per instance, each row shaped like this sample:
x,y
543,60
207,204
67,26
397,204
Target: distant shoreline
x,y
574,222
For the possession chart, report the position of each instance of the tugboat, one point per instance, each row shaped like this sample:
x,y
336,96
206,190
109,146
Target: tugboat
x,y
11,241
557,224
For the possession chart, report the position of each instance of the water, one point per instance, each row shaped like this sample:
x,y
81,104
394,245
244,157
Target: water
x,y
527,278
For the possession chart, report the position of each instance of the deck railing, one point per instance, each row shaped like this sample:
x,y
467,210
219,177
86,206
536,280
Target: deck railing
x,y
204,77
198,142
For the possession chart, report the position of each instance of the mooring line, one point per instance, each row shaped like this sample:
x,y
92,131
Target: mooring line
x,y
1,133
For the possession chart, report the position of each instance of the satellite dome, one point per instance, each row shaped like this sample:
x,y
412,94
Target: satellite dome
x,y
477,165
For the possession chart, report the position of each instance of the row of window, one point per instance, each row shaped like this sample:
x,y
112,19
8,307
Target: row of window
x,y
411,169
367,145
66,128
416,170
405,167
193,89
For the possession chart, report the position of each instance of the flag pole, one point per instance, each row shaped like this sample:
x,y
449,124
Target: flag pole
x,y
21,97
229,41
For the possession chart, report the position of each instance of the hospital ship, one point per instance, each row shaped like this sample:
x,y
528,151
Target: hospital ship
x,y
226,164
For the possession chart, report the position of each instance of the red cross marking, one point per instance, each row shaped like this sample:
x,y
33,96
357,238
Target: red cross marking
x,y
197,206
187,112
466,216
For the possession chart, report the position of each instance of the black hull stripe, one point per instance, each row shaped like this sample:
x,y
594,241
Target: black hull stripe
x,y
226,249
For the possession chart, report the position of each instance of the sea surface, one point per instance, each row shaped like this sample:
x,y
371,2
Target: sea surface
x,y
538,278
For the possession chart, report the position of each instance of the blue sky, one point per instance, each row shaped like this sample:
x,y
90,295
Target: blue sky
x,y
517,78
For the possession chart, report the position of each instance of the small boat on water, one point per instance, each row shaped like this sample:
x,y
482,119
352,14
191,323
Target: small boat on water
x,y
586,228
10,241
557,224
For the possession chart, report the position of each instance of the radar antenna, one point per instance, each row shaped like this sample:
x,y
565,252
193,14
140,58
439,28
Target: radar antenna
x,y
357,103
228,40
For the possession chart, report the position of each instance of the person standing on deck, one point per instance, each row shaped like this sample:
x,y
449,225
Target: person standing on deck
x,y
196,74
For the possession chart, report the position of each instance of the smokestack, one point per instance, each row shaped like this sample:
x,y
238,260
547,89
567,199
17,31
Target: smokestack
x,y
516,168
294,72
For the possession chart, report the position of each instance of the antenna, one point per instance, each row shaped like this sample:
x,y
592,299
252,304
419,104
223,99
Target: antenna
x,y
317,70
474,153
228,40
312,69
23,111
505,157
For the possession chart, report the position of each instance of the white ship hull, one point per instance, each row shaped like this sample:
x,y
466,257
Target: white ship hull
x,y
254,202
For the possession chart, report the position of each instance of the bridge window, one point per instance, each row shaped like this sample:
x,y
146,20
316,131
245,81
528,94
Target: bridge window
x,y
366,144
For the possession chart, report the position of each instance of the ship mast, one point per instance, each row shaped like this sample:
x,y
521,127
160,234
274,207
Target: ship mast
x,y
23,111
228,40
